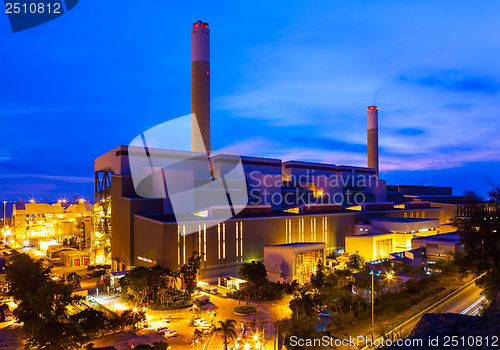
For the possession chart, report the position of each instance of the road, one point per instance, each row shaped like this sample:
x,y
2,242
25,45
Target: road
x,y
267,314
466,301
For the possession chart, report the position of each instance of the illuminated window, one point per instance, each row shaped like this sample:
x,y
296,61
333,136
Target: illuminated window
x,y
301,225
183,244
202,213
205,242
313,229
306,264
241,240
286,230
325,230
223,240
218,241
288,225
237,241
199,238
178,245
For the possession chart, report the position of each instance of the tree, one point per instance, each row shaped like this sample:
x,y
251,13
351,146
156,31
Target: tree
x,y
254,273
89,321
318,278
198,337
190,272
356,261
42,303
480,235
227,330
130,318
149,286
160,345
303,320
73,279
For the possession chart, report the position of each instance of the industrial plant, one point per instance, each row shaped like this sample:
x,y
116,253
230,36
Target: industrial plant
x,y
288,204
258,218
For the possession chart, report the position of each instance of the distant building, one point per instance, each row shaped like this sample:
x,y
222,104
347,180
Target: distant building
x,y
41,222
286,263
439,246
383,237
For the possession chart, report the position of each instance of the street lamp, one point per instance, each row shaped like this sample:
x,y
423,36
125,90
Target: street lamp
x,y
4,203
372,273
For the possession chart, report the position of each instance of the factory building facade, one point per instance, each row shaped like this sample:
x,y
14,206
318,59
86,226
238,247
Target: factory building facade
x,y
145,231
270,202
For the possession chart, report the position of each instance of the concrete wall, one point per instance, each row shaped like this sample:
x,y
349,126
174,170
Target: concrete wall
x,y
280,264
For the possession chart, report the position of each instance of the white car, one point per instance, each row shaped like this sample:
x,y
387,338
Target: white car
x,y
200,322
161,329
169,333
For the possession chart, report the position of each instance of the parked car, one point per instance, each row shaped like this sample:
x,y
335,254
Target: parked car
x,y
203,299
199,322
161,329
6,312
169,333
134,343
167,318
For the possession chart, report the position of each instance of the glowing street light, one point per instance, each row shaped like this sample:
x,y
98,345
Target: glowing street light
x,y
246,346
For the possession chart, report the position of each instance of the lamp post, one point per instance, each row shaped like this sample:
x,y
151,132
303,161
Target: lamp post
x,y
389,277
4,204
372,273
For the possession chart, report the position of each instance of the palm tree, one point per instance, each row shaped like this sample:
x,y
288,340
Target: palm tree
x,y
227,330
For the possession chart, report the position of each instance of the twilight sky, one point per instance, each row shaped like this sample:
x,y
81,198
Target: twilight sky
x,y
290,79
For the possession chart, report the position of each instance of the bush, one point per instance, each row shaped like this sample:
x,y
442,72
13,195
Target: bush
x,y
397,306
266,292
245,309
179,305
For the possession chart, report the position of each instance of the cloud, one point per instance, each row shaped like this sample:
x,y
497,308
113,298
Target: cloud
x,y
69,179
411,131
455,80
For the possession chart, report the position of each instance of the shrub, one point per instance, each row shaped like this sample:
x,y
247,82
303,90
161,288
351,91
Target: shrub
x,y
245,309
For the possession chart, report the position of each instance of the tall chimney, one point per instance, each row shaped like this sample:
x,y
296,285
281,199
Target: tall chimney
x,y
372,130
200,87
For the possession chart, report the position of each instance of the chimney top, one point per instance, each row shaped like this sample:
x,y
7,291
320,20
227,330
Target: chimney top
x,y
200,24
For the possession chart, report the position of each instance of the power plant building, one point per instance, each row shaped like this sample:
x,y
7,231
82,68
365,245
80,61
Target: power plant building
x,y
284,204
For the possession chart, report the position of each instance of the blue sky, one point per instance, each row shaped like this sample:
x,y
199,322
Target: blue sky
x,y
290,79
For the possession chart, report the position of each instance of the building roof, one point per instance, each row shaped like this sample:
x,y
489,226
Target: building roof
x,y
295,245
443,237
404,220
372,233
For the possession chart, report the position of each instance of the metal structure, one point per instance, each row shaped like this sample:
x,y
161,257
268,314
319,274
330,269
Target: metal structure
x,y
100,245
